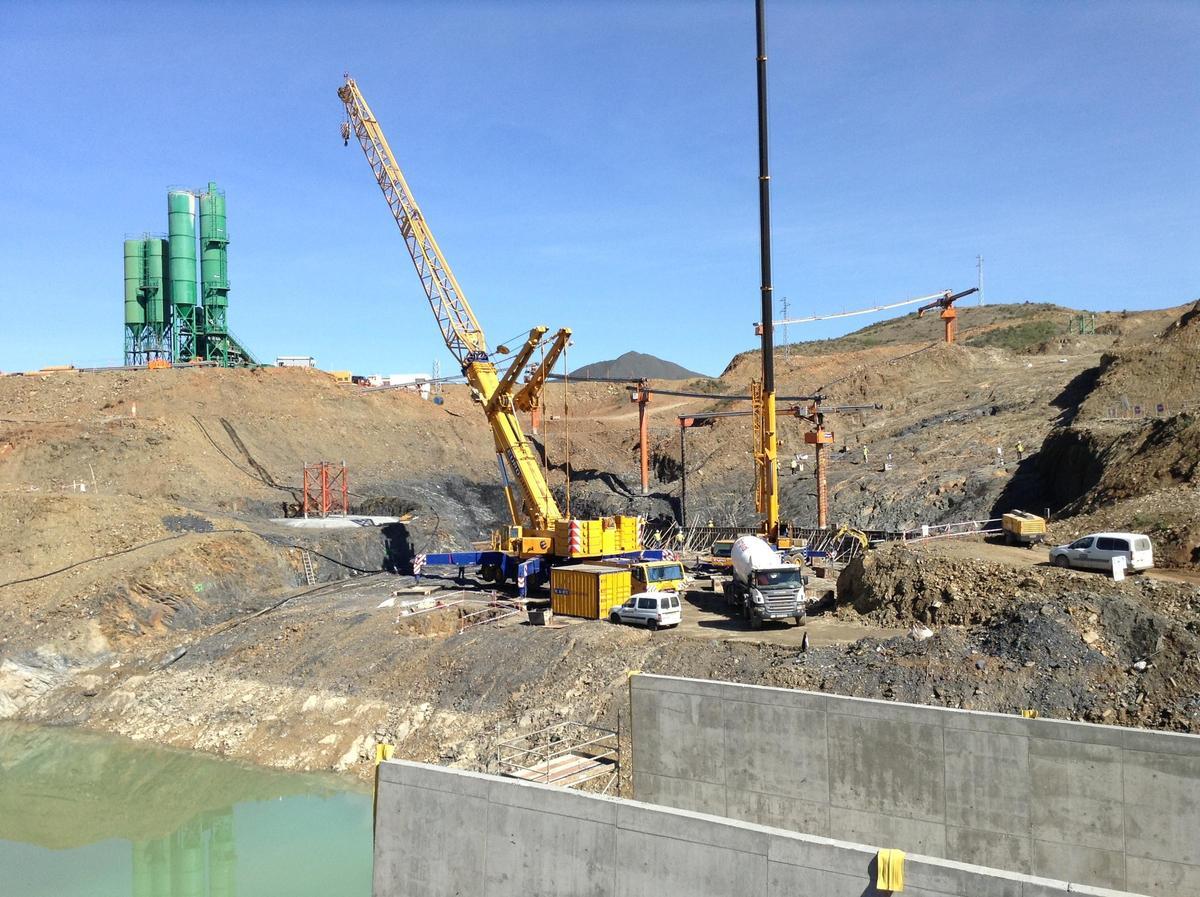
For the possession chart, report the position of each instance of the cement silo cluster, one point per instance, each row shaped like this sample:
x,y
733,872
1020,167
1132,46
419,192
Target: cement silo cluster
x,y
170,316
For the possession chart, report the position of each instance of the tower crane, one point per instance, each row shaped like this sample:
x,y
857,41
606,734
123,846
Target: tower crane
x,y
949,313
539,529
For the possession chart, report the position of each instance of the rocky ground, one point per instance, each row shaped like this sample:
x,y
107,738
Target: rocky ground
x,y
162,603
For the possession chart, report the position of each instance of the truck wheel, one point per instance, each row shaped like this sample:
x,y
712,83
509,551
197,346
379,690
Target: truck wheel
x,y
652,625
799,621
1062,561
755,621
614,617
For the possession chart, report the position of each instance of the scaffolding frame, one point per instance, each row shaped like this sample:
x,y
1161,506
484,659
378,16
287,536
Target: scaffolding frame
x,y
567,754
326,489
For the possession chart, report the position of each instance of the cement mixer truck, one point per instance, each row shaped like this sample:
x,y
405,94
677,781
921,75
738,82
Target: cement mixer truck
x,y
764,585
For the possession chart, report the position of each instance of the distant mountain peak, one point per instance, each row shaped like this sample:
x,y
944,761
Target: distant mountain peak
x,y
635,365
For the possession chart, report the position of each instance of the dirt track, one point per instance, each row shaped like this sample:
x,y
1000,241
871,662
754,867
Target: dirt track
x,y
1017,556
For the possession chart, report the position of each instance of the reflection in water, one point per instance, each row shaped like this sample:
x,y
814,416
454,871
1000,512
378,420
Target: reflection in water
x,y
198,860
84,815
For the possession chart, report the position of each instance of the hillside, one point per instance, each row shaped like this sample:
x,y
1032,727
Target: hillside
x,y
163,602
946,410
634,365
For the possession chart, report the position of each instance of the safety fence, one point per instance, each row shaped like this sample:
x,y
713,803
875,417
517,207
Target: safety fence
x,y
493,613
927,532
566,754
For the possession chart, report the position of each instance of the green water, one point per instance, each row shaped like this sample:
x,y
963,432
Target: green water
x,y
88,816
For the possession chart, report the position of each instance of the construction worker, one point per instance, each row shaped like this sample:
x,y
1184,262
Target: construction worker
x,y
1020,451
864,448
795,464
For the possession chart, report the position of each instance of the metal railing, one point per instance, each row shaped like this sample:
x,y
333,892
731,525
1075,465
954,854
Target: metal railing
x,y
590,752
493,613
950,530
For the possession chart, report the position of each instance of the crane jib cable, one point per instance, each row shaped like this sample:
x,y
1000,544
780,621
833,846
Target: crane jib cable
x,y
861,311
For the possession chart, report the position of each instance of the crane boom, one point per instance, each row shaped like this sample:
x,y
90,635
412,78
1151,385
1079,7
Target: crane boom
x,y
460,329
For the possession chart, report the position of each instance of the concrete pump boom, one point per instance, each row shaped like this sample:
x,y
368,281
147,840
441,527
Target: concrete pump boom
x,y
460,329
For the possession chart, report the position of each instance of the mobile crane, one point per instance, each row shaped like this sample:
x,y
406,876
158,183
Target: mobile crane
x,y
540,534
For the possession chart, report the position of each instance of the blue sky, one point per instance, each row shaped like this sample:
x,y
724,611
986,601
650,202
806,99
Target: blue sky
x,y
594,165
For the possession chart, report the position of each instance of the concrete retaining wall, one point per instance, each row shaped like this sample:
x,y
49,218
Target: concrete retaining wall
x,y
448,833
1100,805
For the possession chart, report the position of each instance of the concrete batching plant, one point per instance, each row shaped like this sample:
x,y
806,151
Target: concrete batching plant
x,y
166,317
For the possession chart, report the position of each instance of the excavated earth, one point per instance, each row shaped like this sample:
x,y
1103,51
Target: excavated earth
x,y
145,590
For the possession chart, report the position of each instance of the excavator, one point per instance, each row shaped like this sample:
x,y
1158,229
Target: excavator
x,y
540,534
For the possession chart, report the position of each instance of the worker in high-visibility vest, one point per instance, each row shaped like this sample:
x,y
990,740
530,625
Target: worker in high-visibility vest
x,y
1020,451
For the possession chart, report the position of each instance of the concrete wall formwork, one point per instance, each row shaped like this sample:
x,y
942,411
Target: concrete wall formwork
x,y
1100,805
450,833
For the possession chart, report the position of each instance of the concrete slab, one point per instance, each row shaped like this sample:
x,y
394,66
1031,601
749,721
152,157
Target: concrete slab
x,y
436,836
1161,877
419,836
985,848
549,853
881,830
1103,868
779,811
1074,801
987,781
1162,807
681,735
776,749
1076,795
886,766
699,797
334,522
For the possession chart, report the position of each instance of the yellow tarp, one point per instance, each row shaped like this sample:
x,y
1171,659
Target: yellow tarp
x,y
891,870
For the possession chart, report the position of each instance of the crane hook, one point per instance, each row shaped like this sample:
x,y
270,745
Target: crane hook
x,y
345,133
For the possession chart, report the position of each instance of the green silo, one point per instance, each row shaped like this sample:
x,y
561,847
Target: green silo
x,y
214,266
154,284
135,308
181,228
186,325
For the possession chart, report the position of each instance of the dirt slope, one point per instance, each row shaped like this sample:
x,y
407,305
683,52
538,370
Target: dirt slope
x,y
162,602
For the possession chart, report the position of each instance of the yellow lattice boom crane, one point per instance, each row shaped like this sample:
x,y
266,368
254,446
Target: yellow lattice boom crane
x,y
539,528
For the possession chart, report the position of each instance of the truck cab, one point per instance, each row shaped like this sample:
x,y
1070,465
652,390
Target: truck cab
x,y
652,576
764,586
776,593
719,556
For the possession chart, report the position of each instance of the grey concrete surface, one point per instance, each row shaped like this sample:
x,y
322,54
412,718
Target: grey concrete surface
x,y
1099,805
450,833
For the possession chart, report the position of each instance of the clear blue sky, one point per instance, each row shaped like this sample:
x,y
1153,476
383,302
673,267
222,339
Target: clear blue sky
x,y
594,164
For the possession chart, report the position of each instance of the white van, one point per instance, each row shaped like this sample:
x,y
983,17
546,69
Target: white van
x,y
1095,552
649,609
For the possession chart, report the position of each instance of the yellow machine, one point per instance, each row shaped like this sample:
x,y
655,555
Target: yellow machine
x,y
1023,528
766,459
720,554
538,528
653,576
857,535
